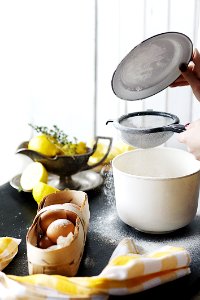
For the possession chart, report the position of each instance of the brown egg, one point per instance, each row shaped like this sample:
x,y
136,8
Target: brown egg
x,y
60,227
49,216
45,242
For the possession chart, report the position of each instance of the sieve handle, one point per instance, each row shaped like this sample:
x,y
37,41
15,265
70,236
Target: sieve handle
x,y
109,121
175,128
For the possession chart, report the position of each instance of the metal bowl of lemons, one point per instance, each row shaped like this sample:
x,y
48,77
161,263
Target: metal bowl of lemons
x,y
65,165
62,159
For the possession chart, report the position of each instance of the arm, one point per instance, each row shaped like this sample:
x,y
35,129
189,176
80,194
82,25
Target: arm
x,y
190,75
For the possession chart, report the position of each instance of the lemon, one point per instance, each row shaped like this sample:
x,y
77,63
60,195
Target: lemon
x,y
32,174
41,190
69,149
42,144
123,147
81,148
118,148
98,154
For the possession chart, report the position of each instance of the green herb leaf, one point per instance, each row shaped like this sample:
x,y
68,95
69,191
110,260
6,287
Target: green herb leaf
x,y
55,132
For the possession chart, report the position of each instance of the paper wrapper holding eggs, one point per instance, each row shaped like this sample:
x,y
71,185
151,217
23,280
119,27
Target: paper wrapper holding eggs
x,y
56,238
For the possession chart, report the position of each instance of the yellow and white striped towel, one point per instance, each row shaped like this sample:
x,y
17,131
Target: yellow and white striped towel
x,y
127,272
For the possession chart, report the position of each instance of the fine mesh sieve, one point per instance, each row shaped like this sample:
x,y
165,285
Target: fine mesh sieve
x,y
147,129
151,66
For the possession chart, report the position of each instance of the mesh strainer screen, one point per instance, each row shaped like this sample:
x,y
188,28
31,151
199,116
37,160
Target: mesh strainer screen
x,y
146,130
146,140
146,121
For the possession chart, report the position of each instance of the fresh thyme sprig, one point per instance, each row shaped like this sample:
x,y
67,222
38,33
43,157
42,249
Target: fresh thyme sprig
x,y
55,133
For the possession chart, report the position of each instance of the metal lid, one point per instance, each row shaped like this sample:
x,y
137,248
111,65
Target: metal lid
x,y
151,66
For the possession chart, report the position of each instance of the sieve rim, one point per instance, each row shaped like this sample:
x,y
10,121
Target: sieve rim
x,y
119,126
126,93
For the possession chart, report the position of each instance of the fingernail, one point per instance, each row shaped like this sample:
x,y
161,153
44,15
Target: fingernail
x,y
187,125
183,67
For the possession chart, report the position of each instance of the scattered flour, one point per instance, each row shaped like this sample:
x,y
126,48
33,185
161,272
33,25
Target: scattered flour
x,y
108,228
89,262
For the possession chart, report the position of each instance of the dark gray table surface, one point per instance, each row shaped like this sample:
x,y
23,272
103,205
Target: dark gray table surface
x,y
106,230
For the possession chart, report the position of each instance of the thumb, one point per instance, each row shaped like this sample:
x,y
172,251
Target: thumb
x,y
196,60
182,137
189,76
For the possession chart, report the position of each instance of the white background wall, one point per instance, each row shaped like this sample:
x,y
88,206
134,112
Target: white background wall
x,y
57,59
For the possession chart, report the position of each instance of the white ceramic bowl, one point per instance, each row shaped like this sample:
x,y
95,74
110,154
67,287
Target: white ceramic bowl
x,y
156,189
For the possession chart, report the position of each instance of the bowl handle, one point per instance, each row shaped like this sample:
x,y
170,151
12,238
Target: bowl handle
x,y
94,149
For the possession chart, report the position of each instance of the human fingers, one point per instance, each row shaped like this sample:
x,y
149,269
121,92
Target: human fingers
x,y
194,124
180,83
190,77
182,137
180,78
196,60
